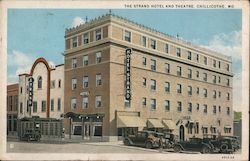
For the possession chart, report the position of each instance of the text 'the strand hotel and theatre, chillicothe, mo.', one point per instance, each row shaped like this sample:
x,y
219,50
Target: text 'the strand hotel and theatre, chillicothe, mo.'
x,y
121,77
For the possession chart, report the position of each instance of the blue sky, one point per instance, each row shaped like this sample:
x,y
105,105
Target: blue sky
x,y
34,33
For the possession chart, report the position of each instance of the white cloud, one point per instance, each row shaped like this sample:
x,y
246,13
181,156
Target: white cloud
x,y
237,92
20,62
77,21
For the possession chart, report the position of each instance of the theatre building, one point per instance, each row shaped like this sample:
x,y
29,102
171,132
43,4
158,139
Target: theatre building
x,y
12,104
122,77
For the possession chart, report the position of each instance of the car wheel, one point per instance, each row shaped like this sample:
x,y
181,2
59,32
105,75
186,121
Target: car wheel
x,y
149,145
224,148
126,142
205,150
177,149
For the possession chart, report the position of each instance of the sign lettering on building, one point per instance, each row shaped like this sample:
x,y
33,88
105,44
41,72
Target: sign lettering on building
x,y
128,74
30,100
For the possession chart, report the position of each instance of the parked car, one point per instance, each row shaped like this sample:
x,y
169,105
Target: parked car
x,y
222,144
31,134
147,139
194,144
170,140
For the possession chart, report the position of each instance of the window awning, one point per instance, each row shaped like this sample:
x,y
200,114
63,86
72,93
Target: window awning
x,y
130,121
154,123
169,124
228,127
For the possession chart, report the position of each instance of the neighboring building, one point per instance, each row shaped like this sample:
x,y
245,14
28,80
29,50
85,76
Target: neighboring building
x,y
48,91
238,125
174,86
12,104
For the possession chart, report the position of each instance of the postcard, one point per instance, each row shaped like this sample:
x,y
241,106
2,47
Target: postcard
x,y
124,80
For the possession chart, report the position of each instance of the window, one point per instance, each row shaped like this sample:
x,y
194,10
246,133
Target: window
x,y
52,104
178,52
228,67
167,68
214,94
189,73
59,104
205,76
228,111
205,108
43,106
21,107
189,107
153,84
228,96
144,82
74,42
85,102
98,101
153,104
214,78
178,71
144,61
59,83
73,103
214,63
197,58
127,36
219,109
189,90
197,90
153,64
144,101
85,82
179,106
153,44
85,60
98,79
204,130
197,128
52,84
86,38
205,60
98,57
205,92
228,83
74,63
74,82
167,105
144,41
179,90
214,109
21,90
197,106
219,94
219,64
218,79
34,107
39,82
189,55
227,130
167,87
166,48
98,34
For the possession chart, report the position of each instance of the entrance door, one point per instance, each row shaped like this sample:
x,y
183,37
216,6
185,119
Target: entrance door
x,y
181,134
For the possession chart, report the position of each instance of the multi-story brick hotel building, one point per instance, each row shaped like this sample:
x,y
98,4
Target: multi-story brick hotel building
x,y
163,83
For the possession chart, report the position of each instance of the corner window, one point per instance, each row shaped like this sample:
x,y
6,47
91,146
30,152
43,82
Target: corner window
x,y
153,44
98,57
127,36
228,67
98,34
98,101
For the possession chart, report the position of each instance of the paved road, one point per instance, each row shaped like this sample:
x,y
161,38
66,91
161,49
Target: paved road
x,y
34,147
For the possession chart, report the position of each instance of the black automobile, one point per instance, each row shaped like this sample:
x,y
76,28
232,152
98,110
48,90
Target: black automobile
x,y
31,135
194,144
170,140
147,139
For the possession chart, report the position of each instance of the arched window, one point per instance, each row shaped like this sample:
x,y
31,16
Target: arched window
x,y
39,82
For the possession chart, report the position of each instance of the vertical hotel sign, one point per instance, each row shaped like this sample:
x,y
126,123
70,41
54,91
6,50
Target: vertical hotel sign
x,y
128,74
30,99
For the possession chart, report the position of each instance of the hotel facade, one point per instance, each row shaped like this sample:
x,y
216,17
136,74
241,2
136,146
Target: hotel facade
x,y
122,77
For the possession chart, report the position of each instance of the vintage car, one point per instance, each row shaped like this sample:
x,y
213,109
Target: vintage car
x,y
31,134
223,144
169,140
147,139
194,144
